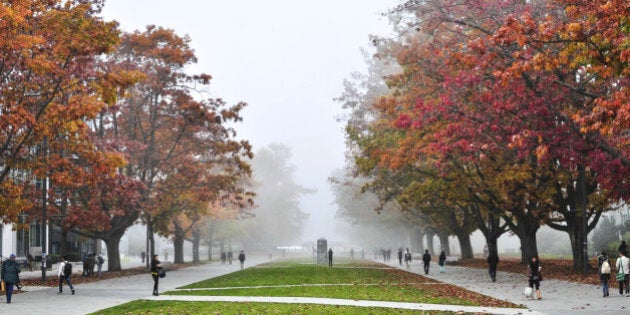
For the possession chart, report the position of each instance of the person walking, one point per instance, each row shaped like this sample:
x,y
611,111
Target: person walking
x,y
64,272
442,262
10,275
603,268
230,256
99,264
622,266
407,257
533,276
241,258
143,256
426,260
330,257
493,261
156,265
623,247
400,256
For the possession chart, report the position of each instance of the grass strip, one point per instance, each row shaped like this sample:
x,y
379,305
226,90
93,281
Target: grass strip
x,y
229,308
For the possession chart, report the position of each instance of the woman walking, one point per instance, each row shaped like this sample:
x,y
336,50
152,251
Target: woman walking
x,y
533,275
603,268
623,269
156,265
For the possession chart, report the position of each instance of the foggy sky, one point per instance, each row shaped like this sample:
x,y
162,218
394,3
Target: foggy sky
x,y
285,58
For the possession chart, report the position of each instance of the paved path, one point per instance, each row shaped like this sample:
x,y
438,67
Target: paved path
x,y
559,297
91,297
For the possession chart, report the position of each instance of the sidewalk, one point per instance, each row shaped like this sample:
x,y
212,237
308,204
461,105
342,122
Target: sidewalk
x,y
91,297
559,297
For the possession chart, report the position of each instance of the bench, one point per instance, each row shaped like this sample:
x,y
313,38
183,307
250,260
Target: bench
x,y
452,260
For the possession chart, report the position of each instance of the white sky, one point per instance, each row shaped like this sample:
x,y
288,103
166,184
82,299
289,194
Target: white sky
x,y
286,59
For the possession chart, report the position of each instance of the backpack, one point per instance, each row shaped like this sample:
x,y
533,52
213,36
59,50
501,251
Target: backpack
x,y
67,269
100,260
605,267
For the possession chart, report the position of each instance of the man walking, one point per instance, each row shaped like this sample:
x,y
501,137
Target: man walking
x,y
99,264
10,275
493,261
330,256
64,272
400,256
426,260
623,270
241,258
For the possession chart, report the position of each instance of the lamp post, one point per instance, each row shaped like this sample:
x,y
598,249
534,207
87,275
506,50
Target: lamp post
x,y
44,213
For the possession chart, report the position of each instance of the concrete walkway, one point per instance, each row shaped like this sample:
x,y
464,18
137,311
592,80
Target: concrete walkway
x,y
559,297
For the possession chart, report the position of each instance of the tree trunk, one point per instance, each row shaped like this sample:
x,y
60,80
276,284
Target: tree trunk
x,y
63,249
465,245
527,235
430,234
196,240
444,243
210,241
178,244
113,253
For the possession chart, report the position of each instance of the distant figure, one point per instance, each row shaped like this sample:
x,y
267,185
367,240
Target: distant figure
x,y
64,272
362,253
623,267
10,275
400,256
241,258
533,276
485,251
603,268
407,257
84,260
442,262
330,257
426,260
493,261
223,257
314,252
30,259
143,255
230,256
99,264
352,253
623,248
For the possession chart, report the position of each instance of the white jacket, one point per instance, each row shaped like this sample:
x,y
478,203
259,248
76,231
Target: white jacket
x,y
60,270
625,262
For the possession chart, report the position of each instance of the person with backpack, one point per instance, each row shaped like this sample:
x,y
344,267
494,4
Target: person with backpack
x,y
10,275
64,273
99,264
623,269
603,267
407,258
241,258
442,262
426,260
156,265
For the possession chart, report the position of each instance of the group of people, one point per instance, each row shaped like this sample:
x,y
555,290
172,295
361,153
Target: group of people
x,y
621,270
90,260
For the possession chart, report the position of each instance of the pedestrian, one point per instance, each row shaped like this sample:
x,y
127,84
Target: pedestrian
x,y
84,260
400,256
442,261
143,255
352,253
64,272
10,275
330,257
623,270
91,264
241,258
230,256
99,264
426,260
533,276
223,257
623,248
156,265
485,251
407,257
493,261
603,268
30,259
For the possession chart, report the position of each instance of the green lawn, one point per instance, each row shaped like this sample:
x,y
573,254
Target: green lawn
x,y
228,308
351,280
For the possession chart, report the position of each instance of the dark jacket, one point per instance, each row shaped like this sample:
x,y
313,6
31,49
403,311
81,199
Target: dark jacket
x,y
426,257
241,257
493,260
154,266
442,259
10,271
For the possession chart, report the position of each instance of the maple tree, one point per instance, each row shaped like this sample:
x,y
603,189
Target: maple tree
x,y
51,86
182,149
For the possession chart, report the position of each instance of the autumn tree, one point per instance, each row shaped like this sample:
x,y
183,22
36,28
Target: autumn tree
x,y
51,87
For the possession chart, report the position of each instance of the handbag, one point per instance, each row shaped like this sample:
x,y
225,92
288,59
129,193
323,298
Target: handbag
x,y
528,291
161,273
540,277
621,275
3,288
